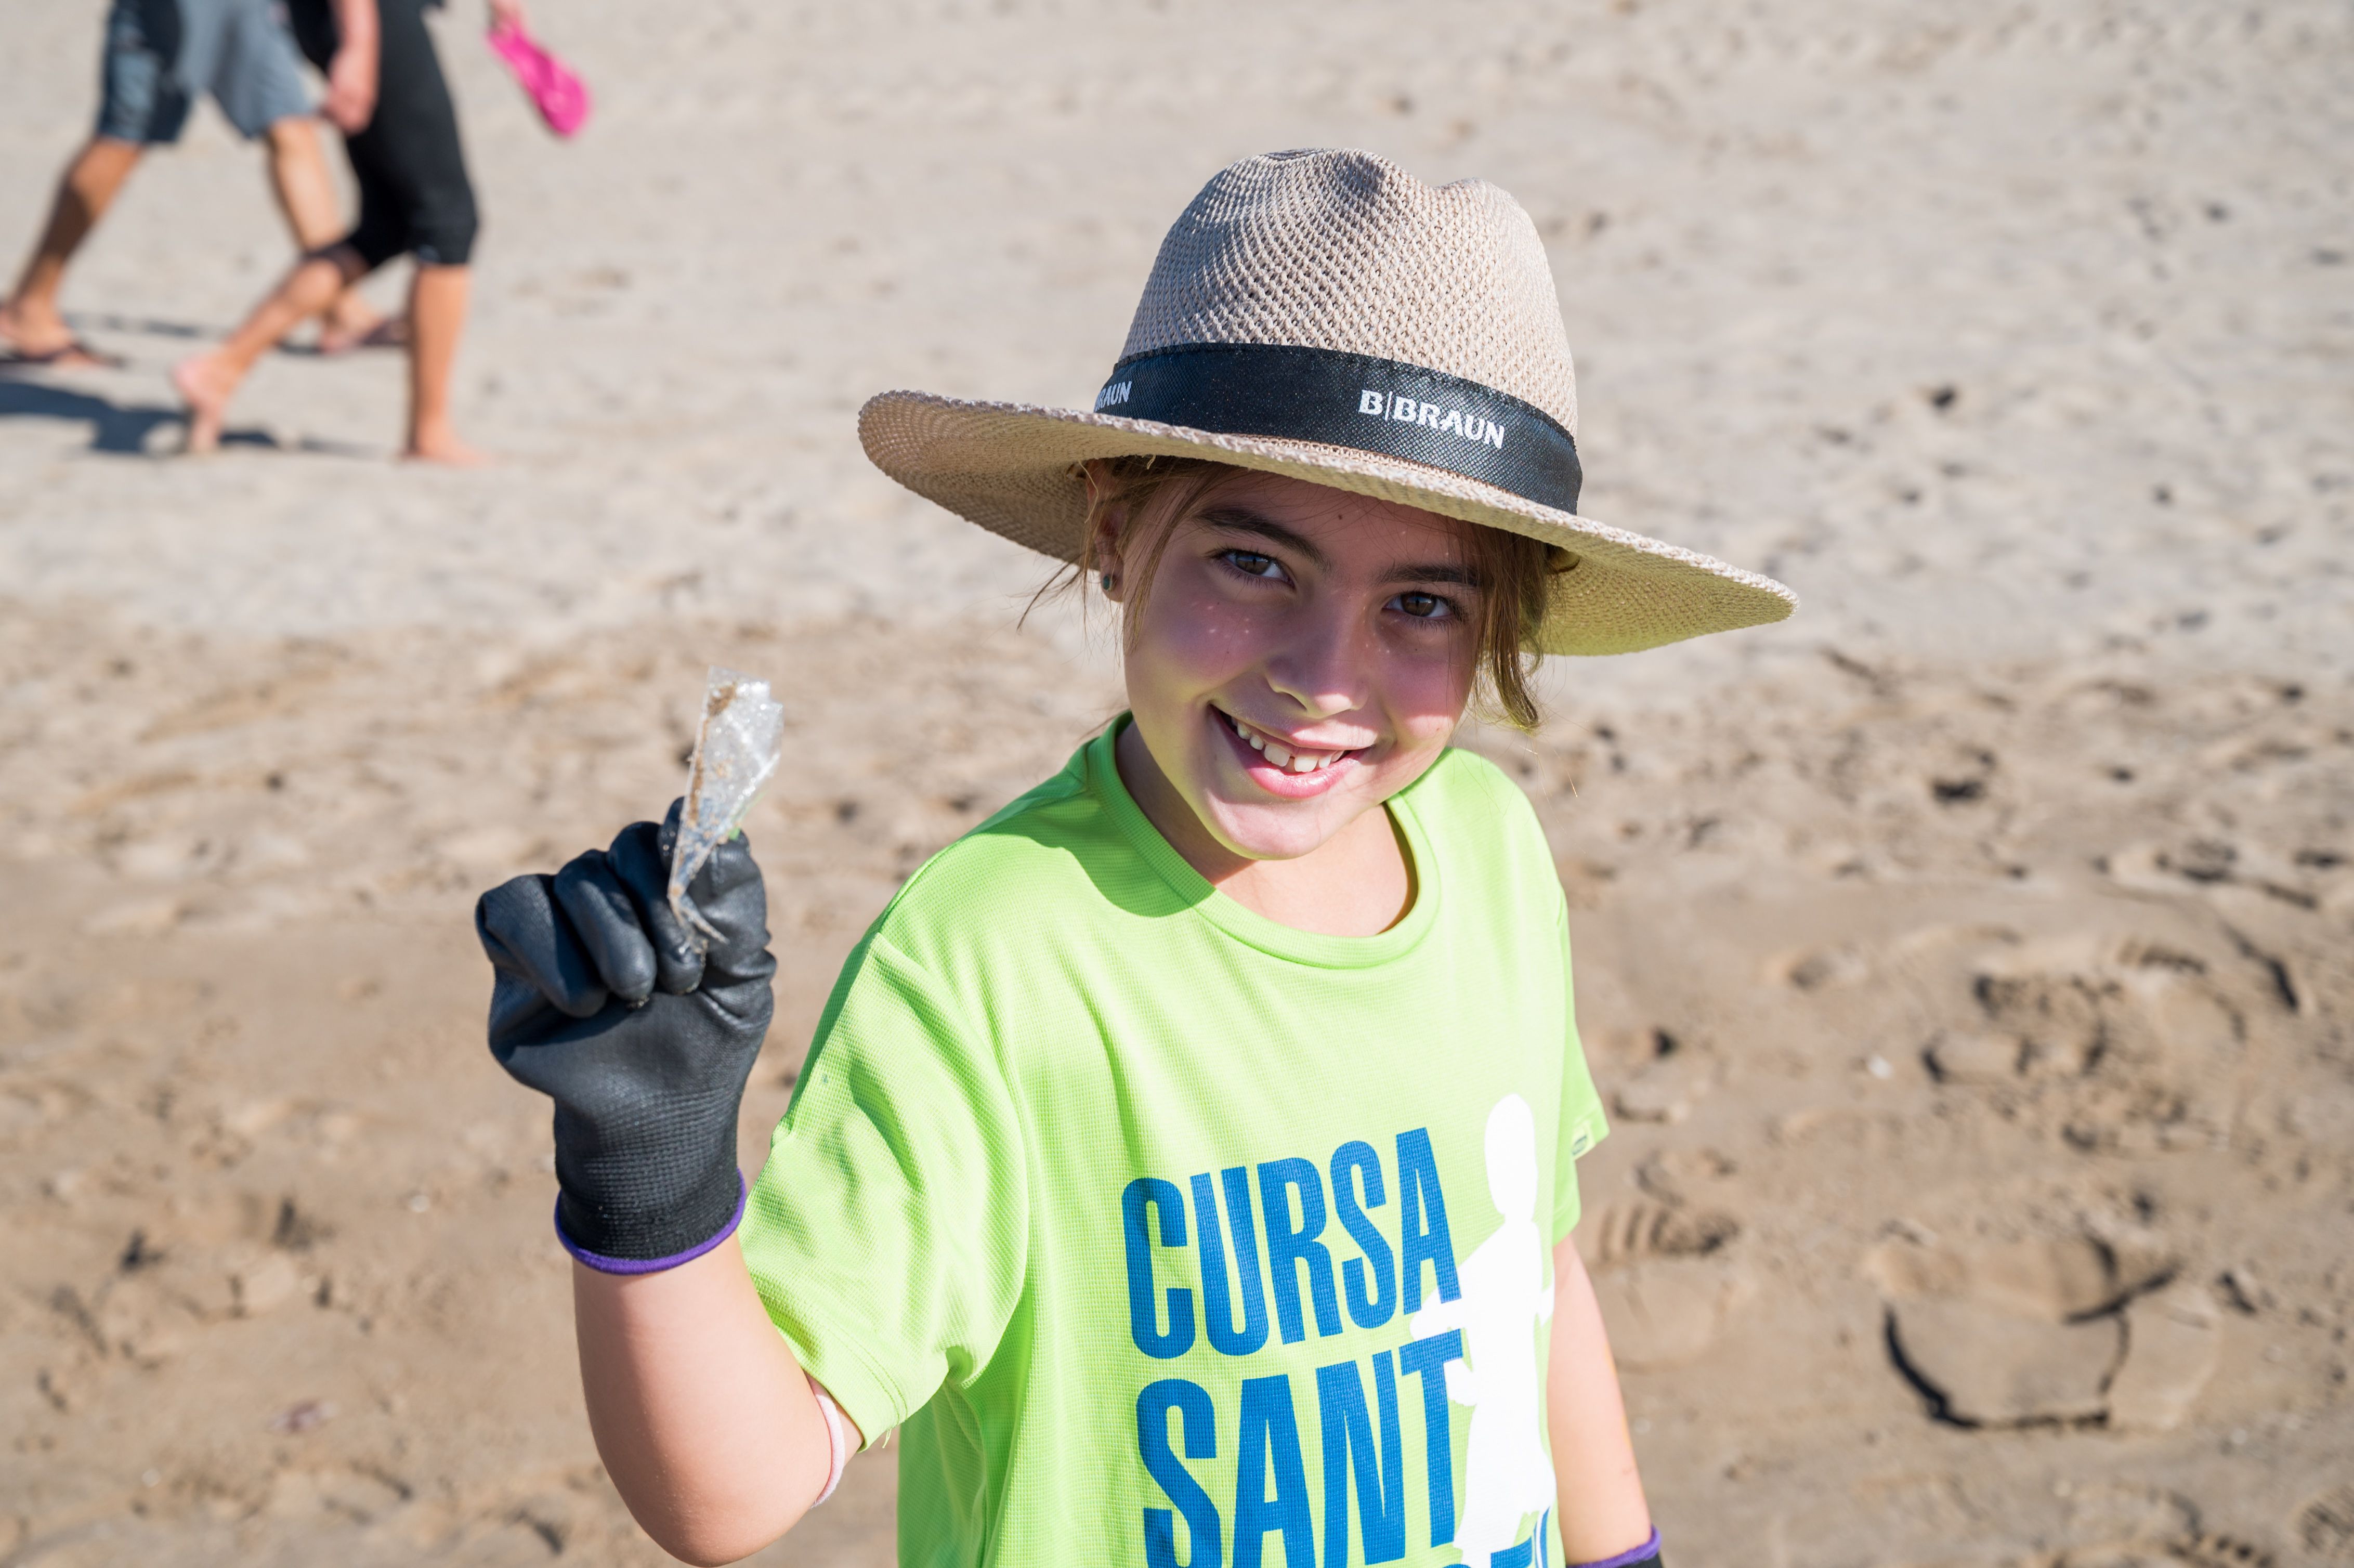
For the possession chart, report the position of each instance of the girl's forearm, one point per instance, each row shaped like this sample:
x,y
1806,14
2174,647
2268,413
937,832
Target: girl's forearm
x,y
700,1413
1602,1510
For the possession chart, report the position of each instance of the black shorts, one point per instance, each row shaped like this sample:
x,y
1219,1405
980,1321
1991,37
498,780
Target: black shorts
x,y
414,193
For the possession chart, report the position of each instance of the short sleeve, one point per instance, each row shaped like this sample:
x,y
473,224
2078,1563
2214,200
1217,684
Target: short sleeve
x,y
887,1232
1582,1124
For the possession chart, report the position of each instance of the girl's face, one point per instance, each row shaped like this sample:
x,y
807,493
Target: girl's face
x,y
1302,655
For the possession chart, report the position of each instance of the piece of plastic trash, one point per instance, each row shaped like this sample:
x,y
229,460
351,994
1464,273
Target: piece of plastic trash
x,y
735,752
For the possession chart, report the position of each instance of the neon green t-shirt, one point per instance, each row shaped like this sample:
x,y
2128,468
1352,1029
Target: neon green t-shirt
x,y
1166,1233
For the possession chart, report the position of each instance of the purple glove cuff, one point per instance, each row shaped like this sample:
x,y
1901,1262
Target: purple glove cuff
x,y
604,1265
1649,1549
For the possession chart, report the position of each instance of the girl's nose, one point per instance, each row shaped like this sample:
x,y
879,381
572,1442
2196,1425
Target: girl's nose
x,y
1325,665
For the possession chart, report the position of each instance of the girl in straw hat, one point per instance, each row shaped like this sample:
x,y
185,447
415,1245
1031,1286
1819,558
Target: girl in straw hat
x,y
1185,1162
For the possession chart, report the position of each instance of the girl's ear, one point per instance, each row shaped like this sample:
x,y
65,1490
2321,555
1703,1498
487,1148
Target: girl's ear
x,y
1105,523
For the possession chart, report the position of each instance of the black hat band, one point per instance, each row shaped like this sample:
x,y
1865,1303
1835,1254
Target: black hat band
x,y
1294,393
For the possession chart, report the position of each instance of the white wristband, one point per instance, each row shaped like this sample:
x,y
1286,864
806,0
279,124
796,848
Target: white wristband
x,y
837,1439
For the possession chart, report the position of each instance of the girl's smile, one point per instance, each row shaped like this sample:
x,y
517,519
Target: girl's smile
x,y
1288,767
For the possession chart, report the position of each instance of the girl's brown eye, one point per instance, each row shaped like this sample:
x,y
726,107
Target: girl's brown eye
x,y
1423,605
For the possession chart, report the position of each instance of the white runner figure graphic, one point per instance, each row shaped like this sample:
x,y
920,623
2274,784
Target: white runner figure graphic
x,y
1506,1475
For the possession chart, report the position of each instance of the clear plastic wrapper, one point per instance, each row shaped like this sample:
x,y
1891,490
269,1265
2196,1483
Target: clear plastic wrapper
x,y
735,752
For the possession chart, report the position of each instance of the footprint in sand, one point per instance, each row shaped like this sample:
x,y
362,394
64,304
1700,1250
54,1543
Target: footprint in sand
x,y
2172,1343
2054,1330
2054,1011
2144,1043
1984,1367
1665,1088
2170,1058
2306,880
2325,1526
1665,1312
1638,1229
2113,1524
1661,1279
2117,1524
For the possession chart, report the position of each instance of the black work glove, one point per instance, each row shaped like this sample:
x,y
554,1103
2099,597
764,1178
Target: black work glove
x,y
641,1035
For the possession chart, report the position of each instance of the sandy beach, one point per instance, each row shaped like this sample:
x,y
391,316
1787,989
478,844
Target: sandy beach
x,y
1966,961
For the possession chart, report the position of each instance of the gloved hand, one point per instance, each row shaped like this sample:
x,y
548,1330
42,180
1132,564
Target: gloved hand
x,y
643,1037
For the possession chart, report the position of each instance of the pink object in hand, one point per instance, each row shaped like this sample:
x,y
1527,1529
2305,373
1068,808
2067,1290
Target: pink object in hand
x,y
561,97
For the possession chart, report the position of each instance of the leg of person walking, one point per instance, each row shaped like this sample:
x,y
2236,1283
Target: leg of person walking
x,y
305,190
437,311
209,381
415,197
437,316
30,324
142,103
306,195
244,54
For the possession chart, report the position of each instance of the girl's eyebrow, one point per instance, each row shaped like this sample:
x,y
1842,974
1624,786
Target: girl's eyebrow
x,y
1461,577
1242,520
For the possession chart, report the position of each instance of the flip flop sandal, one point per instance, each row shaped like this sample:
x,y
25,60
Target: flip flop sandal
x,y
559,94
74,356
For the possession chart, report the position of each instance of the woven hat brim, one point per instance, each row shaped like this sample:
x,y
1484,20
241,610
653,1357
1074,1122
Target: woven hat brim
x,y
1009,467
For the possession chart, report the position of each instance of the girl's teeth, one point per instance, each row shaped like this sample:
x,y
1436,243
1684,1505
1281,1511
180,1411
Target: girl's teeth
x,y
1278,753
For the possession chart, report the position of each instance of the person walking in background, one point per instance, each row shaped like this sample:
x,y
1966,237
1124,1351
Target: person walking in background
x,y
159,57
415,199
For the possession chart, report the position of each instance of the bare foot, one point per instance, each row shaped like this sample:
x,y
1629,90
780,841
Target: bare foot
x,y
205,388
444,448
363,331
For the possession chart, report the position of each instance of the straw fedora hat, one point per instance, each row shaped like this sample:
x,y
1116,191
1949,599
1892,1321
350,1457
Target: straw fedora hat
x,y
1325,314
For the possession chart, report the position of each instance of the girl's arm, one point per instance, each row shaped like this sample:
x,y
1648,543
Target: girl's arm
x,y
701,1415
1602,1511
642,1032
